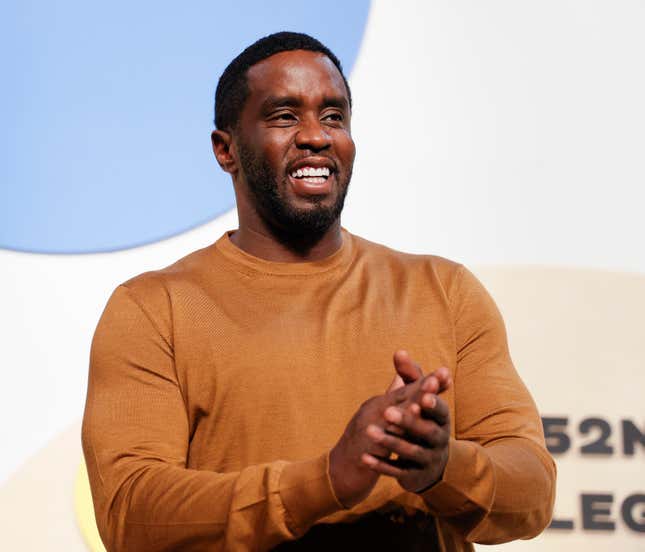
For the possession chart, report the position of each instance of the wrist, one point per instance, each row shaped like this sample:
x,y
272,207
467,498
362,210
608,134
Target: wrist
x,y
439,474
427,487
350,483
336,477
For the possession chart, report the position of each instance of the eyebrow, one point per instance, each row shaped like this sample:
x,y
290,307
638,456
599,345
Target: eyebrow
x,y
336,101
280,101
273,102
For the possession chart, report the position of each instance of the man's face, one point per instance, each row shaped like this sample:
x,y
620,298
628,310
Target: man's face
x,y
295,147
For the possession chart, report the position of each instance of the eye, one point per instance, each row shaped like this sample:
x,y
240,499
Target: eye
x,y
333,117
282,116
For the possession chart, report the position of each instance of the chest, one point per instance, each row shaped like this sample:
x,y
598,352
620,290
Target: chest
x,y
281,377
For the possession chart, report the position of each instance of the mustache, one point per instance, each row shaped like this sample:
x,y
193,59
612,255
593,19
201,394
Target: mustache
x,y
331,161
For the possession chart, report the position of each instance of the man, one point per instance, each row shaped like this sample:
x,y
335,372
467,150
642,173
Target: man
x,y
245,398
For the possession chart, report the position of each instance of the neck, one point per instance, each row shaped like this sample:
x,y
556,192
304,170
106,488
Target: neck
x,y
273,245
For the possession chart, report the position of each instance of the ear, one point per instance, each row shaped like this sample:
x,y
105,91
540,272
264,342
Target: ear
x,y
222,141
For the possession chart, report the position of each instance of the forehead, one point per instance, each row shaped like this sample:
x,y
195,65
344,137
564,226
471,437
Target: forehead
x,y
298,73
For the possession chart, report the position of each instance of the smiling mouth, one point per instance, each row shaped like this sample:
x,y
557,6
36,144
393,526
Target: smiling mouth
x,y
312,175
308,181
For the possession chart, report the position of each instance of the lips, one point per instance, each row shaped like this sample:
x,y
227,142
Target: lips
x,y
312,176
316,161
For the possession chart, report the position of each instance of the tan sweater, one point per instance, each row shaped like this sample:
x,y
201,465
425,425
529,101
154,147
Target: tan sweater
x,y
218,386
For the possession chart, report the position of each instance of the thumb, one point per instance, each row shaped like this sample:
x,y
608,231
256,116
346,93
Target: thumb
x,y
408,370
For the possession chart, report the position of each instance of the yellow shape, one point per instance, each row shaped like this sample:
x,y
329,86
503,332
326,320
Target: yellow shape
x,y
85,510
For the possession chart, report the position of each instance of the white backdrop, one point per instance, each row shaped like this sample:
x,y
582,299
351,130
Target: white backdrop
x,y
507,135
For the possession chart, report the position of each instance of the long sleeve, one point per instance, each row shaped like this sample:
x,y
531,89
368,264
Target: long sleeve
x,y
136,440
499,482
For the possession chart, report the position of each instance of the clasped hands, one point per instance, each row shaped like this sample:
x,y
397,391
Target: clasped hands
x,y
403,433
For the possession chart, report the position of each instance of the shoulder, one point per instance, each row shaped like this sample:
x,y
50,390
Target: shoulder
x,y
188,268
471,307
445,273
155,291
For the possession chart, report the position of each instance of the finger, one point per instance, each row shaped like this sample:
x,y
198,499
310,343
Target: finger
x,y
402,448
418,430
394,429
377,450
445,378
411,393
435,408
430,384
381,466
442,378
397,383
406,368
406,393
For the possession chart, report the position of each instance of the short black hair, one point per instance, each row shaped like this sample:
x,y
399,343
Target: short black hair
x,y
232,88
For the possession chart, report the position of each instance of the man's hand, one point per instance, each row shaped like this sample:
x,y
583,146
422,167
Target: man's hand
x,y
417,434
407,371
352,480
352,477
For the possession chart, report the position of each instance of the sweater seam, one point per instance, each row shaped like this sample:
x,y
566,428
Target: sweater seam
x,y
139,304
456,286
150,319
251,271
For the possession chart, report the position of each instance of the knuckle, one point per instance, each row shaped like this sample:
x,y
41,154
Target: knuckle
x,y
393,429
400,394
432,431
414,451
410,421
379,451
368,405
370,402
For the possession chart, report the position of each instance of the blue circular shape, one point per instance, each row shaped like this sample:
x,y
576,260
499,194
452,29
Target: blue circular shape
x,y
107,112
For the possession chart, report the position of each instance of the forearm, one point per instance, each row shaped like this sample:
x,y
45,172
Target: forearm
x,y
499,483
136,440
155,506
495,493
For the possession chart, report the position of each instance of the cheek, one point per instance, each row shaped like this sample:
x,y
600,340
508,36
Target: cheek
x,y
350,153
347,149
276,148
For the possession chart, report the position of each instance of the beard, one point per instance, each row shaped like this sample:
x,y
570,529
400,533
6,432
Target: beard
x,y
300,228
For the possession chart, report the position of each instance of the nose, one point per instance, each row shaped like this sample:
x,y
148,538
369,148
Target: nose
x,y
312,135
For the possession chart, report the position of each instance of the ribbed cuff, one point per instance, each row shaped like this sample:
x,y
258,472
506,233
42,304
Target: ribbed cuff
x,y
307,493
467,475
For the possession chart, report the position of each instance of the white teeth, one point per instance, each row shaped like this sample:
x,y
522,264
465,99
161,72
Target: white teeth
x,y
311,172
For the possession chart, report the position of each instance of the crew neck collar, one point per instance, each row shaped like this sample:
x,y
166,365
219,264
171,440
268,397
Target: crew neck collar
x,y
253,264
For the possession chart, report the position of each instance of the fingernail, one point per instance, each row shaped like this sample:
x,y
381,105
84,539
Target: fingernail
x,y
368,460
374,431
393,415
430,384
429,401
